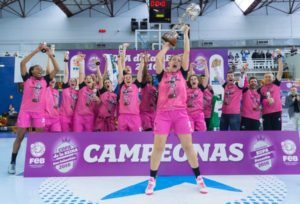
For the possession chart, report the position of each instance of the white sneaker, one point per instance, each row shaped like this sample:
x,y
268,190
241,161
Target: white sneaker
x,y
201,185
151,185
12,169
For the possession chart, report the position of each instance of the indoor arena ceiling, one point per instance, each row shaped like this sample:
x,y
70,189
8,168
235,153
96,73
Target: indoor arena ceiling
x,y
112,8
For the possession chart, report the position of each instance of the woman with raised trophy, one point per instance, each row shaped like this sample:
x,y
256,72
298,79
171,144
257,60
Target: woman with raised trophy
x,y
172,112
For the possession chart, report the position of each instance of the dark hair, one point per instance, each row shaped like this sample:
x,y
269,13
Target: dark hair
x,y
252,78
293,86
31,69
188,81
230,72
202,75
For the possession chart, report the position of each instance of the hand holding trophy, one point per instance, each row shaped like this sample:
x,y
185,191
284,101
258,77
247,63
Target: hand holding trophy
x,y
191,12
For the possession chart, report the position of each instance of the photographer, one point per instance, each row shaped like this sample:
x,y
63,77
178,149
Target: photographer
x,y
293,104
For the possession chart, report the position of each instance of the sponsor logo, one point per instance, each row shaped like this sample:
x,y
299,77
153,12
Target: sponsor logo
x,y
65,156
289,149
262,153
37,150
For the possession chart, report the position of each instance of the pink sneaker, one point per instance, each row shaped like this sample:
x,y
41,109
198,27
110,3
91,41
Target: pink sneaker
x,y
151,185
201,185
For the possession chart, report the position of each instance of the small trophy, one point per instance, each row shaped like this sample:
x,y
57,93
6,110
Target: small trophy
x,y
44,50
191,12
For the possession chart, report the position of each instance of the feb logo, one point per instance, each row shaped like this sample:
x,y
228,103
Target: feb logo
x,y
289,149
37,149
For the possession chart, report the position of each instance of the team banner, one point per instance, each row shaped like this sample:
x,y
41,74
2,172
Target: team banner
x,y
128,154
217,59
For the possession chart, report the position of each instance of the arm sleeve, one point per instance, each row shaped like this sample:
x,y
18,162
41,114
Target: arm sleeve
x,y
184,73
48,79
245,89
25,77
138,84
159,76
276,82
202,87
65,85
103,90
81,85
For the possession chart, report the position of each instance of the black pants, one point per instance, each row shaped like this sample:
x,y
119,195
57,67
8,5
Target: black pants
x,y
249,124
207,121
272,121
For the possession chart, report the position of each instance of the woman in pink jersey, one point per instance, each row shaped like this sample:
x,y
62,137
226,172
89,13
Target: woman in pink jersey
x,y
69,99
33,102
250,106
271,102
207,103
171,111
84,113
52,120
195,100
107,107
148,97
129,113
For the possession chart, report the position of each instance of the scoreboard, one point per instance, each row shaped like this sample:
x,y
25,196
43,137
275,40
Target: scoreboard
x,y
160,11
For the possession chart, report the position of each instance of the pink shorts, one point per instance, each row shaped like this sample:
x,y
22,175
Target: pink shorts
x,y
28,119
66,123
105,124
53,125
129,122
83,123
178,120
147,120
197,121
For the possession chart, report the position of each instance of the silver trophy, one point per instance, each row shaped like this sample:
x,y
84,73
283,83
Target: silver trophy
x,y
191,12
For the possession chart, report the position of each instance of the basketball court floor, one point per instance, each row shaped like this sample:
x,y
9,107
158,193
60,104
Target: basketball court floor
x,y
254,189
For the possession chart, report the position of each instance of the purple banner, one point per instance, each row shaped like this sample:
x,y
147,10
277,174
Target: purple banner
x,y
128,154
87,58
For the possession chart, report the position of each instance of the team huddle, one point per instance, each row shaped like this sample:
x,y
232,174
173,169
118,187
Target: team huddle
x,y
182,103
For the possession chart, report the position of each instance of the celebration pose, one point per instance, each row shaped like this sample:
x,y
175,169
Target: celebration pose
x,y
251,106
107,107
87,99
32,111
148,97
69,98
231,117
129,111
52,119
271,103
171,112
195,100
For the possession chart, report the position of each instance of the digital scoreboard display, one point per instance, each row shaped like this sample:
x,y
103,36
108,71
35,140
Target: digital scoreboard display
x,y
160,11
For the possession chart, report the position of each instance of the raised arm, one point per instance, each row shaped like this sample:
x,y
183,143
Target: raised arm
x,y
142,67
99,75
160,58
186,51
66,68
206,73
81,71
241,82
105,68
54,62
280,69
191,70
120,69
23,63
